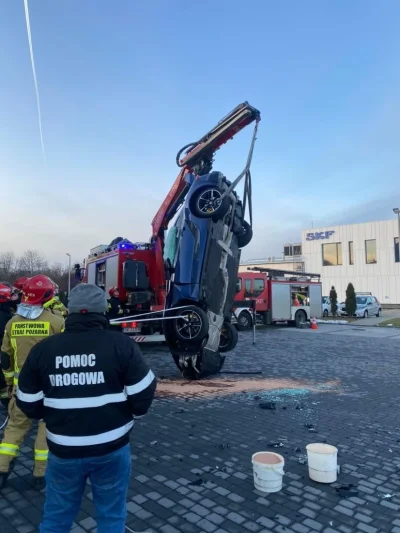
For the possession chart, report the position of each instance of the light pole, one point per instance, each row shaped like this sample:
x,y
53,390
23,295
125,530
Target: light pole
x,y
69,273
396,211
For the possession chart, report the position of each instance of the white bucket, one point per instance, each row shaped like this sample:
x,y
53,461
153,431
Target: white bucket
x,y
268,471
322,462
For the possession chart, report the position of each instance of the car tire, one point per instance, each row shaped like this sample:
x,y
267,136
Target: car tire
x,y
378,314
190,326
244,321
245,238
229,338
205,203
300,318
326,312
365,314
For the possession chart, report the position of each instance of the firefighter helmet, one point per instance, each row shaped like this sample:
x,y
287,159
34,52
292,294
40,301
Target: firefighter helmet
x,y
112,291
5,293
37,290
19,282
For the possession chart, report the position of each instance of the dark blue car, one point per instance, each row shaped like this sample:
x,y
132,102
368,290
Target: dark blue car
x,y
202,254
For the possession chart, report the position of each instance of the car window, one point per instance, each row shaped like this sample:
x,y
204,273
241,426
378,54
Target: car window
x,y
258,287
361,300
238,284
247,287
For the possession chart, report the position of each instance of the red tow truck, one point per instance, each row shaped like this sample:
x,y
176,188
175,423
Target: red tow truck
x,y
139,269
280,296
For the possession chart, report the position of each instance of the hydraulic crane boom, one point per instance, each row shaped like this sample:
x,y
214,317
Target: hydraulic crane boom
x,y
199,159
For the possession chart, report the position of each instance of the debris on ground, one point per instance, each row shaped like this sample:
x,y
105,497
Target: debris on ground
x,y
253,388
267,405
347,491
311,428
303,460
153,443
198,482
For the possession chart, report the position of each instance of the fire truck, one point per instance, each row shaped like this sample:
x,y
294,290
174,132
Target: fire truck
x,y
143,271
280,296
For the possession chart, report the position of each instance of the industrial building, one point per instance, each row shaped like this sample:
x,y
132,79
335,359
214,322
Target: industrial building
x,y
365,254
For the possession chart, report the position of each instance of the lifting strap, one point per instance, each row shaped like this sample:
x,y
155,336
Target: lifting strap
x,y
247,194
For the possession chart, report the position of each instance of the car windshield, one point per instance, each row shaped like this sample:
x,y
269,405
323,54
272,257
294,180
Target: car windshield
x,y
361,300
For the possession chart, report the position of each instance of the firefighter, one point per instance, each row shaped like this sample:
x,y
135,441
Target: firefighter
x,y
114,309
55,305
31,324
6,313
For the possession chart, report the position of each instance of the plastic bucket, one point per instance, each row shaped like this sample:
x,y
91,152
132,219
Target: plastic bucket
x,y
268,471
322,462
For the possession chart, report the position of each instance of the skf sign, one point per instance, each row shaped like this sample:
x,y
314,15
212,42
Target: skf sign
x,y
319,235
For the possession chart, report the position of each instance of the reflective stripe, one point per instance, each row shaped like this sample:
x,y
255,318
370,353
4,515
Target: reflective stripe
x,y
8,374
89,440
9,449
29,398
15,381
139,387
41,455
83,403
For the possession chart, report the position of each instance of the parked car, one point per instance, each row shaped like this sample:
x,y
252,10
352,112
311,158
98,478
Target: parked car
x,y
367,305
202,254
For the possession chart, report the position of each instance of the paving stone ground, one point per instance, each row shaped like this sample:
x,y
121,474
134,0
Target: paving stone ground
x,y
197,476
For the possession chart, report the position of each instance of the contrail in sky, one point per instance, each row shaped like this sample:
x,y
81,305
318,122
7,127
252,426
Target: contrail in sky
x,y
28,29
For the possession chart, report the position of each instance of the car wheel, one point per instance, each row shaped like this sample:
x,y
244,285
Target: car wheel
x,y
300,318
229,337
245,238
244,321
190,325
378,314
365,314
207,202
326,312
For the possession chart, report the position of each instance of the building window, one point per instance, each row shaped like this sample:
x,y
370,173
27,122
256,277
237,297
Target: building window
x,y
370,252
332,254
290,250
258,287
287,250
297,249
351,253
396,250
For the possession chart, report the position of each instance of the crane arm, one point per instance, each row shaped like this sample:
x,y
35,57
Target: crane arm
x,y
199,158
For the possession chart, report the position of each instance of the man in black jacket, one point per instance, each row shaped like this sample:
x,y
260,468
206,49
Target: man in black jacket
x,y
87,384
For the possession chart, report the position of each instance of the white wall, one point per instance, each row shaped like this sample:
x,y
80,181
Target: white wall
x,y
382,278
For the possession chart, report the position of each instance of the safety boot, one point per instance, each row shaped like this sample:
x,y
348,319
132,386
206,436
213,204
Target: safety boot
x,y
3,479
39,483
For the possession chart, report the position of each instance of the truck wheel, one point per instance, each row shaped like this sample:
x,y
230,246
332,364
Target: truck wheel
x,y
206,203
244,321
245,237
229,337
326,312
300,318
190,326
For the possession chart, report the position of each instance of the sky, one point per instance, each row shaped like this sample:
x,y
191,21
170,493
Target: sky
x,y
124,85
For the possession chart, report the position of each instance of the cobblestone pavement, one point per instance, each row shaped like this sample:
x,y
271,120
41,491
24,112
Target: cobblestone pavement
x,y
192,453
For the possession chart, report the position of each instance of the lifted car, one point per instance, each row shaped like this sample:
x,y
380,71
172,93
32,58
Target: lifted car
x,y
202,254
